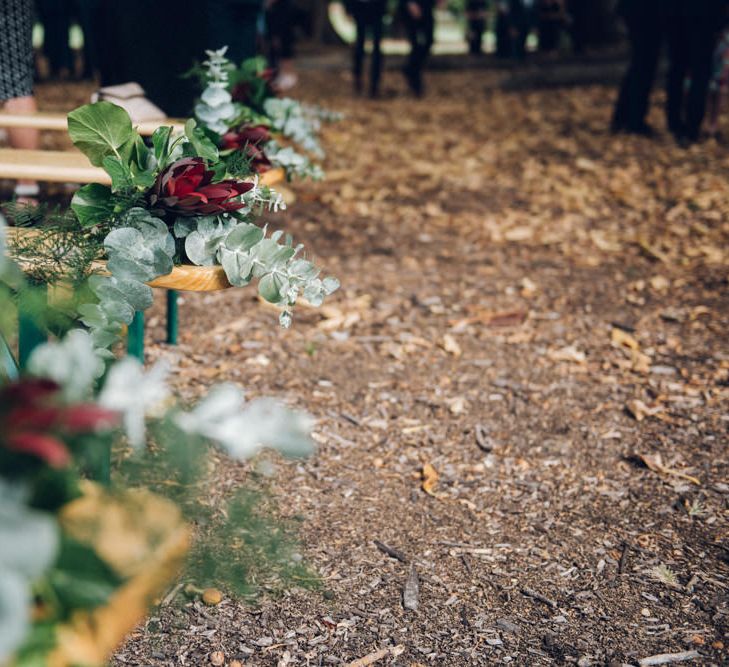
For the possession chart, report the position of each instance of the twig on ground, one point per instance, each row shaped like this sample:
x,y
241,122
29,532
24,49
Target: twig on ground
x,y
373,657
667,658
623,558
389,551
539,597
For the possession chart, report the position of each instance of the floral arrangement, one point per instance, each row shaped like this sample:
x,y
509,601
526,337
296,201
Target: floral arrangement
x,y
178,202
80,563
240,111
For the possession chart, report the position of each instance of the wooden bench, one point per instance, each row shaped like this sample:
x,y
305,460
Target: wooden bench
x,y
70,166
43,120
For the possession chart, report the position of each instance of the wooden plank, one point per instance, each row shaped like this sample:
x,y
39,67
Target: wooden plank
x,y
73,167
43,120
53,166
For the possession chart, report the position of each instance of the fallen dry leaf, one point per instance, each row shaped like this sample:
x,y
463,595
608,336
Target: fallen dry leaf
x,y
654,463
639,410
568,353
622,338
429,477
450,345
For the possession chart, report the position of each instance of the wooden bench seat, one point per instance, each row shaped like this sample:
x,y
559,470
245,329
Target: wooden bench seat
x,y
44,120
72,167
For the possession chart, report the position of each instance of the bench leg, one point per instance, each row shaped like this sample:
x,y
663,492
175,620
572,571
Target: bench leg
x,y
7,360
172,317
97,467
30,335
135,337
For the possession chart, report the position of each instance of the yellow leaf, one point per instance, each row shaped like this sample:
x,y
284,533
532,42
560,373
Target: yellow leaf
x,y
450,344
430,479
623,339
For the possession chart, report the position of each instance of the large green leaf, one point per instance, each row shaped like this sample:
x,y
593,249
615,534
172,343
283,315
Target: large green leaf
x,y
121,175
92,204
201,144
101,129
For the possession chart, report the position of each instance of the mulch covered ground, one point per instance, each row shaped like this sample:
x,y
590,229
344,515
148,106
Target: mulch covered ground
x,y
521,392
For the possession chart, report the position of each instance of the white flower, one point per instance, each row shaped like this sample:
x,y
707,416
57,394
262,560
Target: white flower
x,y
243,429
135,394
71,362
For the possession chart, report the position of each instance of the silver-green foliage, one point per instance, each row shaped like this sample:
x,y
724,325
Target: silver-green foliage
x,y
216,109
246,253
296,165
290,118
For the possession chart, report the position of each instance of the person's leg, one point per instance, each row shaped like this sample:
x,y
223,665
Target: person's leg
x,y
411,29
702,40
425,37
646,37
377,19
23,137
359,49
678,55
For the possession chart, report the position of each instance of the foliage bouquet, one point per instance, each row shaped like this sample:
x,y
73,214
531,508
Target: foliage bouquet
x,y
241,113
81,562
180,201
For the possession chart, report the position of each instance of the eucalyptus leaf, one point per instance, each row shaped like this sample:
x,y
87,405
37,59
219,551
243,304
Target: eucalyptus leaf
x,y
244,237
70,362
101,129
202,244
92,204
238,267
215,96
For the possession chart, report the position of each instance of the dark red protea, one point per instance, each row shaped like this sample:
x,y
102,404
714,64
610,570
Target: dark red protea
x,y
185,188
250,140
34,421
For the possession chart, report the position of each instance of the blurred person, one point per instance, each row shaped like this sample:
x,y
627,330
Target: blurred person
x,y
579,15
719,84
645,20
475,24
87,14
280,28
550,21
369,17
55,17
521,22
502,28
231,23
692,28
420,26
16,79
154,44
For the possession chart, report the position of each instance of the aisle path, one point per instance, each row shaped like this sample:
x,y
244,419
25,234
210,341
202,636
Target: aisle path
x,y
528,307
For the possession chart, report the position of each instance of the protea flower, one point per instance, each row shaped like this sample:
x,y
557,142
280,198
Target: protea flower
x,y
35,422
186,188
250,139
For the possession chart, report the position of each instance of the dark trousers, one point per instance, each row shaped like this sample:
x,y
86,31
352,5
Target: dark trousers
x,y
691,42
279,20
55,15
234,24
420,35
368,16
645,34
